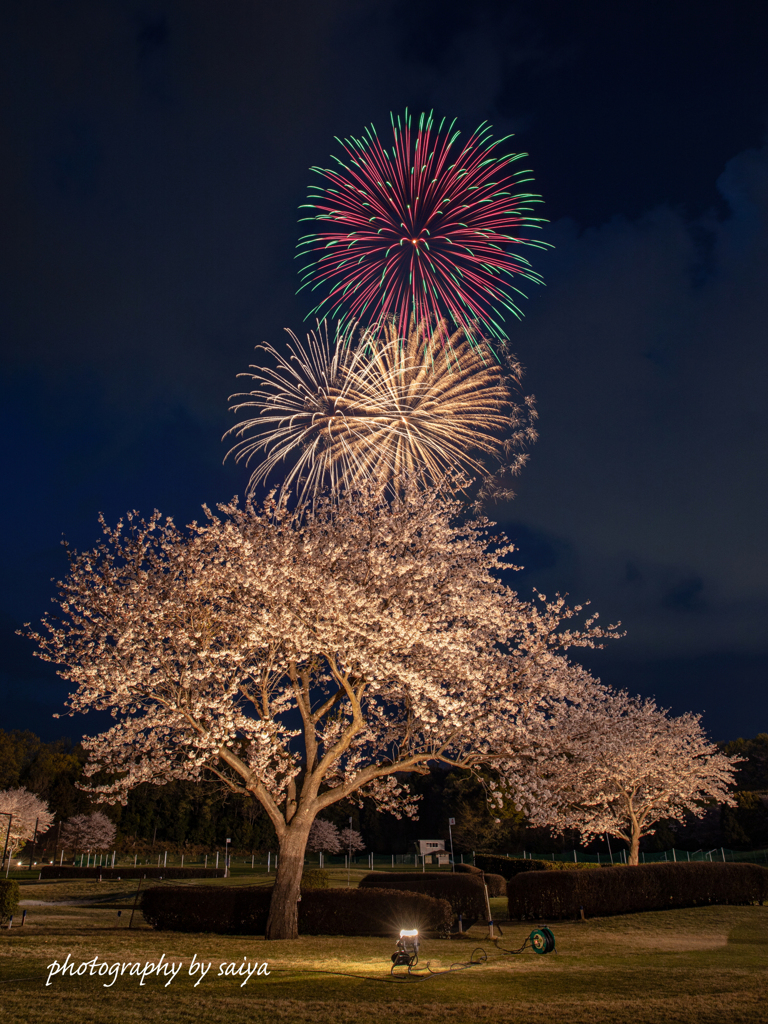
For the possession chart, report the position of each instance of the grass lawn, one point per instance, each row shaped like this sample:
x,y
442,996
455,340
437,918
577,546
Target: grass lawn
x,y
697,966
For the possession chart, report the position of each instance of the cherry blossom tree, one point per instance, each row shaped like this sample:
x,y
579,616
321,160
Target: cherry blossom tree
x,y
351,840
88,832
616,764
28,812
323,837
304,657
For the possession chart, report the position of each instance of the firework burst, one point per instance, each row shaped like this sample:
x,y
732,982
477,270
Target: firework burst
x,y
381,411
430,229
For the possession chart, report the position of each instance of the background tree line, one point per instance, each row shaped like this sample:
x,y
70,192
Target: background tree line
x,y
189,816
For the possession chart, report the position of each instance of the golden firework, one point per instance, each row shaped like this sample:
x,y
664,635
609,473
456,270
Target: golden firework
x,y
381,411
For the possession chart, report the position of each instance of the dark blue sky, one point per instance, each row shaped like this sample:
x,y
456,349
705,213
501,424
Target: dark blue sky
x,y
154,159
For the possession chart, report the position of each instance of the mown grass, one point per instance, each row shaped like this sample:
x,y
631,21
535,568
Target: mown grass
x,y
689,966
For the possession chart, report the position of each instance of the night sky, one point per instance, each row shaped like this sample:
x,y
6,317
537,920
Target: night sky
x,y
154,158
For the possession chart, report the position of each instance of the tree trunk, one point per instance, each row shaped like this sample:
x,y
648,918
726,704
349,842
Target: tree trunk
x,y
283,922
634,846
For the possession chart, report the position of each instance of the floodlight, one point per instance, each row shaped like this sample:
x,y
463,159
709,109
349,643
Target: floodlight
x,y
407,950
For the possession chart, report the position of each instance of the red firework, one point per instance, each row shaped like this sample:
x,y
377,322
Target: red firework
x,y
427,230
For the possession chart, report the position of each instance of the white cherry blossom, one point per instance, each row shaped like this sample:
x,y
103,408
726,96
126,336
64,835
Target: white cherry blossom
x,y
305,657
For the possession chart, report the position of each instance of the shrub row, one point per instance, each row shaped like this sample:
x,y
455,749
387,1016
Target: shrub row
x,y
244,911
138,872
623,890
315,878
497,884
9,898
464,892
508,867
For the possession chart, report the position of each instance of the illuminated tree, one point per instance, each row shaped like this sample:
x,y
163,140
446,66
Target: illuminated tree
x,y
351,840
28,813
304,657
323,837
617,764
88,832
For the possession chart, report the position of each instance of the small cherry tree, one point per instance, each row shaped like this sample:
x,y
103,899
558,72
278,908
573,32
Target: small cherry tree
x,y
303,657
27,812
616,764
88,832
351,840
323,837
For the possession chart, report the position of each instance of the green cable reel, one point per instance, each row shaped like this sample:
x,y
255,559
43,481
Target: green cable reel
x,y
542,940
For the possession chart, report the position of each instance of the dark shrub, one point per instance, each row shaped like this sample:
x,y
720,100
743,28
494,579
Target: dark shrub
x,y
372,912
244,911
508,867
464,892
497,886
9,898
139,872
198,908
622,890
467,869
315,878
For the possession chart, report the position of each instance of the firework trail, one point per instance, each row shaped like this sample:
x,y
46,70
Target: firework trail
x,y
382,411
425,231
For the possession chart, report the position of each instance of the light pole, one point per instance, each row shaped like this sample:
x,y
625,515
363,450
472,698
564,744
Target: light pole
x,y
226,858
451,821
34,844
349,853
9,816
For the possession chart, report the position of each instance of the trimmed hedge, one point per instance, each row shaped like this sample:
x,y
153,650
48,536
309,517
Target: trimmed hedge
x,y
464,892
244,911
138,872
508,867
497,885
315,878
624,890
9,898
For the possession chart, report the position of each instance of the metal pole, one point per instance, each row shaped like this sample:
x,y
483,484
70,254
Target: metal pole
x,y
451,821
7,838
349,858
34,844
608,840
